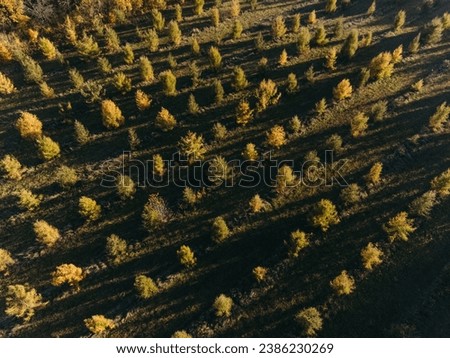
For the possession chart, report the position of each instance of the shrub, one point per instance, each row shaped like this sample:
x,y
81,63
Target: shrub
x,y
98,324
237,29
267,95
343,90
244,114
88,47
193,106
48,48
359,124
303,41
440,118
259,273
223,305
146,69
126,188
165,120
6,85
28,200
351,44
250,152
116,249
66,177
331,59
219,131
67,273
310,320
292,83
298,242
334,142
29,126
278,28
371,256
400,20
89,209
423,205
158,165
169,82
46,233
155,213
145,286
111,115
399,227
122,82
181,334
48,148
351,194
235,8
382,66
414,46
218,91
374,175
5,260
378,111
441,183
192,146
11,167
143,100
219,230
325,215
276,137
22,301
434,31
186,256
344,284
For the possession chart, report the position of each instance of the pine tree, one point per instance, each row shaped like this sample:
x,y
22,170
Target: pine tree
x,y
66,177
325,215
259,41
423,205
22,301
178,13
192,146
82,135
128,54
292,83
45,233
397,55
27,200
70,31
267,95
215,58
378,111
312,17
219,230
352,194
76,78
145,287
276,137
441,183
88,47
321,107
237,29
5,260
296,23
304,39
169,82
146,69
67,273
414,46
175,34
32,70
240,80
296,125
399,227
46,90
351,44
195,73
158,20
223,305
434,31
400,20
256,204
6,85
372,8
339,29
29,126
195,47
244,114
297,243
48,49
111,115
331,6
278,28
344,284
143,100
152,40
165,120
112,39
98,324
331,59
186,256
198,9
283,60
310,74
218,91
48,148
259,273
321,35
371,256
310,320
382,66
235,8
359,124
250,153
11,167
89,209
219,131
440,118
193,106
343,90
122,82
374,176
215,16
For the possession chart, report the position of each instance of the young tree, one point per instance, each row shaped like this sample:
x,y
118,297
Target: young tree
x,y
351,194
218,91
331,59
382,66
372,8
267,95
400,20
181,334
283,60
244,114
70,31
145,287
379,110
397,55
240,80
334,142
66,177
67,273
278,28
259,273
76,78
122,82
310,74
11,167
22,301
215,16
371,256
143,100
111,115
219,131
219,230
223,305
310,320
6,85
276,137
235,8
331,6
116,249
303,41
259,41
165,120
198,9
434,31
423,205
321,107
195,73
312,17
343,90
344,284
192,146
126,188
359,124
175,34
159,167
128,54
250,153
98,324
325,215
88,47
27,200
256,204
146,69
237,29
298,242
351,44
48,148
414,46
292,83
32,70
89,209
158,20
399,227
152,40
440,118
296,23
46,233
5,261
321,35
441,183
186,256
46,90
169,82
195,47
112,39
374,176
193,106
29,126
295,124
339,29
155,213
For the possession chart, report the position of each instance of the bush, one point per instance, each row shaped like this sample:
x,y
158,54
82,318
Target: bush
x,y
155,213
219,230
186,256
215,58
89,209
259,273
181,334
325,215
111,115
29,126
351,44
169,82
278,28
344,284
223,306
116,249
374,175
250,152
343,90
66,177
359,124
382,66
48,148
423,205
399,227
267,95
143,100
46,233
6,85
310,320
22,301
303,41
276,137
145,286
67,273
12,167
351,194
371,256
146,69
98,324
442,183
165,120
400,20
126,188
440,117
378,111
192,146
298,242
5,260
27,200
